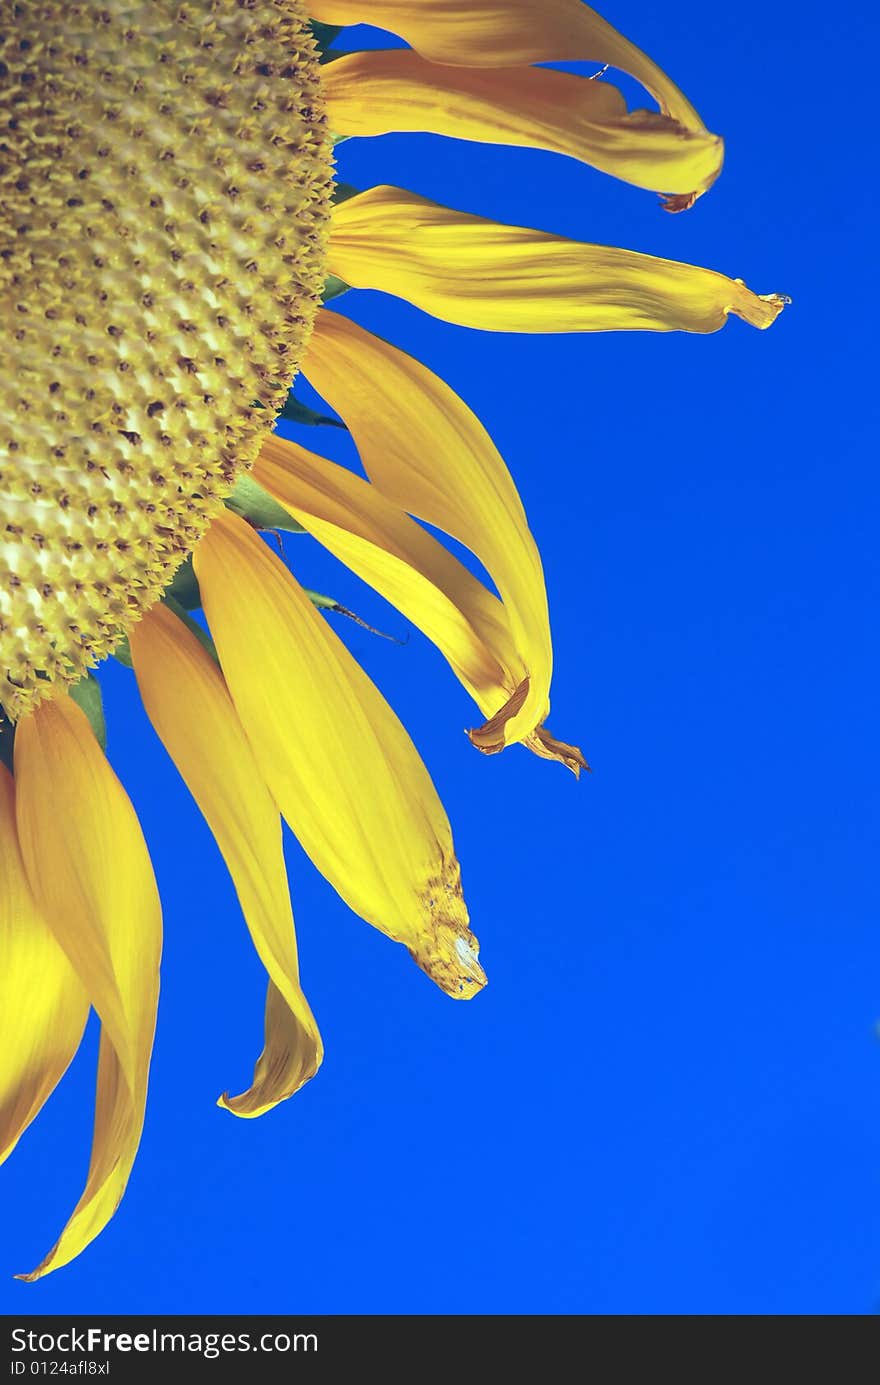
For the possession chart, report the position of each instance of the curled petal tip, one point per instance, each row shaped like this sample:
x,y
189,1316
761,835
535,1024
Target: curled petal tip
x,y
247,1105
781,300
679,201
452,963
490,737
478,739
447,951
758,309
227,1102
775,303
291,1057
549,748
683,201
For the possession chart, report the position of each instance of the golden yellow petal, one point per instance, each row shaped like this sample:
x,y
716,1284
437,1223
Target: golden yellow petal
x,y
374,93
188,703
292,1053
429,454
43,1008
508,33
481,274
410,568
90,873
337,761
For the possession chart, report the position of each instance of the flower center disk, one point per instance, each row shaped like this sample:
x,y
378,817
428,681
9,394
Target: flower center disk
x,y
165,177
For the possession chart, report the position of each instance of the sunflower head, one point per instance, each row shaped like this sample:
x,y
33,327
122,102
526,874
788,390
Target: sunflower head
x,y
164,177
165,181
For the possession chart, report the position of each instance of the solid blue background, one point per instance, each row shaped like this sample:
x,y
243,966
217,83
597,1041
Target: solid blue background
x,y
668,1098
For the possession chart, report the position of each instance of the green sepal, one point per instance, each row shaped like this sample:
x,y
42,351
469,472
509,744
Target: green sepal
x,y
87,696
122,653
7,741
184,586
334,288
199,631
323,603
324,33
343,192
253,504
297,412
329,603
181,596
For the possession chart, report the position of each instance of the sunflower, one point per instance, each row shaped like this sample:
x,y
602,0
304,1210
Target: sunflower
x,y
171,236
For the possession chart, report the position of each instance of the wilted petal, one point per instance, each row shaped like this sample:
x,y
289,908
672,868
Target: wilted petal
x,y
43,1008
508,33
189,705
428,453
336,759
90,872
481,274
375,93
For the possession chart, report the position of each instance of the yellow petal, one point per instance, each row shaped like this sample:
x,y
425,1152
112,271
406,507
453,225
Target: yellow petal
x,y
90,872
375,93
291,1055
337,761
386,548
481,274
508,33
43,1008
429,454
188,703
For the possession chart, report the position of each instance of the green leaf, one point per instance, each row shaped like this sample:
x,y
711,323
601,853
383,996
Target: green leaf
x,y
297,412
200,633
251,502
87,695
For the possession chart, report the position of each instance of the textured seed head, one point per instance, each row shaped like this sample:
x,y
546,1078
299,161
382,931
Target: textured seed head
x,y
164,197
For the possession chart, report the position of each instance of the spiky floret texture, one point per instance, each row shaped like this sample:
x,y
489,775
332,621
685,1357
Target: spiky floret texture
x,y
165,174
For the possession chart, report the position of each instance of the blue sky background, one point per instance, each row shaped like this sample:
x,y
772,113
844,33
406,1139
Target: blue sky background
x,y
668,1098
